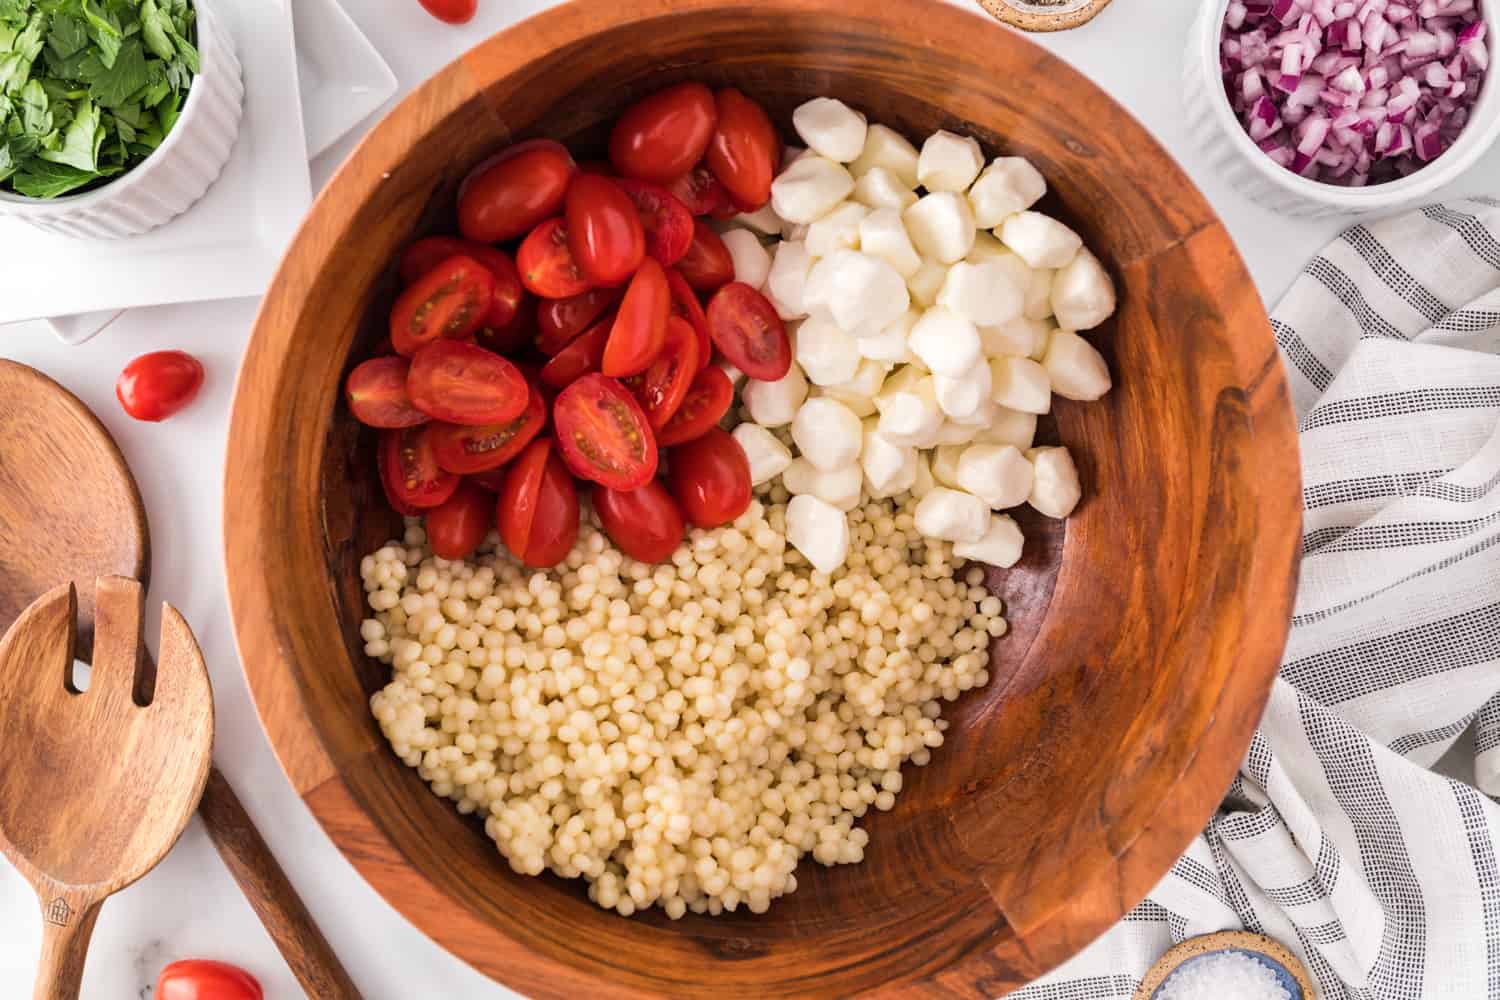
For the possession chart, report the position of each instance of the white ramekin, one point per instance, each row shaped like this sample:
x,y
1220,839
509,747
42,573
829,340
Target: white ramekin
x,y
168,182
1233,153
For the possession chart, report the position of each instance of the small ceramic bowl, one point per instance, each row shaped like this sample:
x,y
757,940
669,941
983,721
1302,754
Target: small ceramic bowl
x,y
168,182
1236,157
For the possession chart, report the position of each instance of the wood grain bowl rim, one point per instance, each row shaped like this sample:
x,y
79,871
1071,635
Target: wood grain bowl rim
x,y
262,634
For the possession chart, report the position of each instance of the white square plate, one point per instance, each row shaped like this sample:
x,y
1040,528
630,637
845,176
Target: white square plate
x,y
343,79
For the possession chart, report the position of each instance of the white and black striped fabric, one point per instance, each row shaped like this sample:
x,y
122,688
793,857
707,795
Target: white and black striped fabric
x,y
1336,838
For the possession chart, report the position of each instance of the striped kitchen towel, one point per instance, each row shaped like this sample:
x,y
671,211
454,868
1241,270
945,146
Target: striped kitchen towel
x,y
1336,838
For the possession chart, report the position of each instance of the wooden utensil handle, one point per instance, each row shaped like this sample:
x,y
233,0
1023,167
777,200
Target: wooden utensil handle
x,y
68,917
271,895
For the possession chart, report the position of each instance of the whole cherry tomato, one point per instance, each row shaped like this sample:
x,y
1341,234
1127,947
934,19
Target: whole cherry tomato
x,y
537,511
468,449
466,384
200,979
746,330
409,471
452,11
603,434
707,264
513,191
744,151
510,337
661,137
490,479
585,354
560,321
707,401
710,478
701,193
604,229
666,221
154,386
641,324
450,301
548,267
456,526
644,524
685,304
376,391
661,388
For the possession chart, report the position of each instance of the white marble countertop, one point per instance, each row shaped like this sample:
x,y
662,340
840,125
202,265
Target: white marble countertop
x,y
189,907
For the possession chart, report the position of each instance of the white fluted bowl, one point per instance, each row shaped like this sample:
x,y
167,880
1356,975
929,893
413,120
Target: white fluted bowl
x,y
175,175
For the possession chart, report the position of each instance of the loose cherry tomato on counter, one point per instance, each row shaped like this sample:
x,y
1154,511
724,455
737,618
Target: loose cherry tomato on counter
x,y
710,478
744,151
537,511
641,324
659,138
585,354
701,193
603,434
456,526
748,332
465,384
661,388
685,304
515,190
707,401
548,267
604,229
154,386
200,979
468,449
452,11
409,471
490,479
667,223
451,300
560,321
644,524
707,264
376,391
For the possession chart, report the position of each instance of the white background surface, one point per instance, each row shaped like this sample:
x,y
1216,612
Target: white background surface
x,y
189,907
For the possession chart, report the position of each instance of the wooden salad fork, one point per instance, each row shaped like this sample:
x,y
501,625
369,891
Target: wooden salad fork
x,y
98,784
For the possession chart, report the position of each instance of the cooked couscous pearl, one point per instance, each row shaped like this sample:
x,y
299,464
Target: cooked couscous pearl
x,y
680,734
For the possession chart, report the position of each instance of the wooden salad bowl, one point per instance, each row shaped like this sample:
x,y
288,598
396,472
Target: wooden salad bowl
x,y
1146,630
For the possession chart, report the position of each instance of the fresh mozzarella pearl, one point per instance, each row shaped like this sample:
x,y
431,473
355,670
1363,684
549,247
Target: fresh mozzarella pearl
x,y
927,282
1056,490
1010,427
889,149
882,234
879,188
840,487
949,162
860,292
1020,384
819,531
924,483
827,354
1040,240
831,127
796,232
941,226
1020,338
751,262
996,473
945,464
827,433
1038,303
889,468
775,404
986,247
859,392
735,375
982,293
964,395
838,230
910,415
763,221
947,343
889,346
980,418
1077,370
786,282
1000,546
954,432
1010,184
768,457
1083,296
809,188
952,515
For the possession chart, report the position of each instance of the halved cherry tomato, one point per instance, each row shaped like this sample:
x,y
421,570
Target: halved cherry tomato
x,y
456,526
667,222
451,11
661,388
603,434
604,229
450,301
376,391
707,264
510,337
660,137
582,356
700,192
201,979
537,512
469,449
685,304
746,330
410,473
560,321
514,190
744,151
430,251
644,524
710,478
465,384
490,479
154,386
427,253
547,265
707,401
641,324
